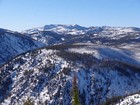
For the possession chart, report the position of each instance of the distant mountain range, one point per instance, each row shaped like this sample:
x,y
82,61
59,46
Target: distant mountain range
x,y
39,64
54,34
14,43
77,29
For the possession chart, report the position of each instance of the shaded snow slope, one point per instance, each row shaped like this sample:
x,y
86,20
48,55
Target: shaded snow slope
x,y
45,76
13,43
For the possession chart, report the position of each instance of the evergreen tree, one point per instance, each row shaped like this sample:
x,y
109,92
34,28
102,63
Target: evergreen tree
x,y
76,100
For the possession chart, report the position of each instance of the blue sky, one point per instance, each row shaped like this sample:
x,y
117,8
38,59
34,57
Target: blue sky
x,y
24,14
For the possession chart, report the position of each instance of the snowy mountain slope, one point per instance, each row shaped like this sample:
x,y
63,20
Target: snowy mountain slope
x,y
130,100
13,43
45,75
105,59
125,38
75,33
78,30
59,29
47,37
107,52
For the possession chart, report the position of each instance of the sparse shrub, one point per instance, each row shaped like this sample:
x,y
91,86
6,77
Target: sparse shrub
x,y
28,72
28,102
86,59
4,86
48,68
112,100
66,70
63,46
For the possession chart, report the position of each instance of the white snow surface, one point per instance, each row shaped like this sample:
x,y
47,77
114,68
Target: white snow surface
x,y
43,77
130,100
106,52
77,29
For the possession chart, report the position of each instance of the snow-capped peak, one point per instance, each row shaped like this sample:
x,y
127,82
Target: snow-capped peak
x,y
78,30
59,29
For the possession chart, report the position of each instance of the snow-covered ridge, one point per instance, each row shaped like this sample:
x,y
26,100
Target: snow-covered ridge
x,y
56,34
60,29
104,52
45,76
77,29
